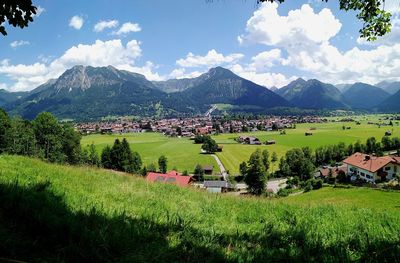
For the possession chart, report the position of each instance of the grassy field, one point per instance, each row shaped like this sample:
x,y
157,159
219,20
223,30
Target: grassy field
x,y
181,152
69,214
325,134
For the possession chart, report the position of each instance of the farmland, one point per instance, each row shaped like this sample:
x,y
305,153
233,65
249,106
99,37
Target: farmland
x,y
60,213
184,155
181,153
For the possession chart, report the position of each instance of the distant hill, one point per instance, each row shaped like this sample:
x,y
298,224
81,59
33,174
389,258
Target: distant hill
x,y
391,104
8,97
220,85
364,96
389,87
313,94
90,92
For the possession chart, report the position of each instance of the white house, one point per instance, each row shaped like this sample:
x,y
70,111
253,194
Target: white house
x,y
372,168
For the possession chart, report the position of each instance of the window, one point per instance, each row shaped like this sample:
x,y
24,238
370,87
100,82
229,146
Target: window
x,y
362,174
387,168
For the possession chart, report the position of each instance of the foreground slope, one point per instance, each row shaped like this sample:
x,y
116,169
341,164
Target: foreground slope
x,y
57,213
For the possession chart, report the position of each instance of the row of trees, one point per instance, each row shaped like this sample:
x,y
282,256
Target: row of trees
x,y
43,137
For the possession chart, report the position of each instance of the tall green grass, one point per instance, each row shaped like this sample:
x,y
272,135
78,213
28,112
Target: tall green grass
x,y
59,213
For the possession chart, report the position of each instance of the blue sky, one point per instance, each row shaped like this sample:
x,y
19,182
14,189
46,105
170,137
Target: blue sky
x,y
268,44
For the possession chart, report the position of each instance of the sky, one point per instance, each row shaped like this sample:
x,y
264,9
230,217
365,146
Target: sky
x,y
269,44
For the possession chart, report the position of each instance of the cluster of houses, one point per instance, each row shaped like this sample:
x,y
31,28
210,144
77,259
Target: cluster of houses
x,y
187,127
365,167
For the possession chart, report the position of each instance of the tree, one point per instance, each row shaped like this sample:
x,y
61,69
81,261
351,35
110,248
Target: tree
x,y
136,162
152,168
296,163
274,157
5,124
106,157
265,159
371,145
209,145
162,163
48,134
199,172
71,144
21,138
376,21
18,13
243,169
115,155
93,158
256,174
144,171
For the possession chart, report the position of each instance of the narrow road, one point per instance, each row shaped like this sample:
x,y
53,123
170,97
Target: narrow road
x,y
221,167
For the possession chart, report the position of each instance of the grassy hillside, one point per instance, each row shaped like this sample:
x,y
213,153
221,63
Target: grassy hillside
x,y
58,213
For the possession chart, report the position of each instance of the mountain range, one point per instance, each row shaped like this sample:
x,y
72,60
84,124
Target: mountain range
x,y
85,92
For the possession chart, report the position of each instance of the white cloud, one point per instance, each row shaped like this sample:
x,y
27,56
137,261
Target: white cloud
x,y
180,73
211,59
267,59
128,28
19,43
101,25
76,22
100,53
305,36
266,26
265,79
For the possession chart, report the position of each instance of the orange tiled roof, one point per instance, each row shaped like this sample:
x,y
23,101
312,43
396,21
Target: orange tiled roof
x,y
368,162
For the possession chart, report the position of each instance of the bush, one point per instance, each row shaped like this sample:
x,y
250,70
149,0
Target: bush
x,y
316,184
308,186
283,192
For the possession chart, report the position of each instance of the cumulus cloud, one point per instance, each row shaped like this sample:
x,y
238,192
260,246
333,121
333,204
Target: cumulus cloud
x,y
305,36
211,59
128,28
266,26
265,79
101,25
100,53
19,43
76,22
180,73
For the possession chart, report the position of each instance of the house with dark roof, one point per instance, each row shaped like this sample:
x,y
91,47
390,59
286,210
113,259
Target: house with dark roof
x,y
218,186
372,168
172,177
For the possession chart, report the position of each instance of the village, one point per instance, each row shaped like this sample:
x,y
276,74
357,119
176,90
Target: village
x,y
188,127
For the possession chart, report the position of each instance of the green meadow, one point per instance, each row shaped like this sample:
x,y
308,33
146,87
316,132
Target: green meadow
x,y
325,134
184,155
54,213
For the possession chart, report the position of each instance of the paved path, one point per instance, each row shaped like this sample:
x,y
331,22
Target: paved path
x,y
221,167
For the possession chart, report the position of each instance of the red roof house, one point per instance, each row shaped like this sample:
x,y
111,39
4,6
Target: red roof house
x,y
171,177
